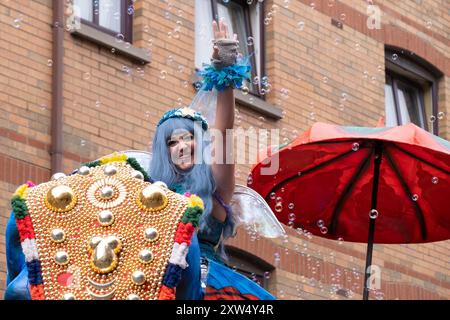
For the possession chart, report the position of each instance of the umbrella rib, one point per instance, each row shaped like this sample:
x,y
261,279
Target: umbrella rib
x,y
318,166
336,141
418,158
337,209
417,208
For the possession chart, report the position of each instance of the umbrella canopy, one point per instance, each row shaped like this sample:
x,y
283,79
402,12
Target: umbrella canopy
x,y
325,183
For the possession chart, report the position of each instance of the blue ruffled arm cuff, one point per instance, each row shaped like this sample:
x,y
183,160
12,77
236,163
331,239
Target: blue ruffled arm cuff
x,y
233,75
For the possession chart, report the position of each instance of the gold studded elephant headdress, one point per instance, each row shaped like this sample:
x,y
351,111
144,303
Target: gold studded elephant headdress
x,y
104,233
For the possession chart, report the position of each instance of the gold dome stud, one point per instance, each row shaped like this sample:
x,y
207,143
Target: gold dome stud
x,y
110,170
60,198
137,174
138,277
151,234
58,235
69,296
152,198
133,297
62,258
106,192
104,251
106,218
58,175
84,171
145,256
160,184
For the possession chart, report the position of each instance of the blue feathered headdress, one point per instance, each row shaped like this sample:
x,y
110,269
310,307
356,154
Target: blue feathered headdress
x,y
184,112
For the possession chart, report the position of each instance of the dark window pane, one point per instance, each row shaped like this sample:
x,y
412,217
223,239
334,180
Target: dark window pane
x,y
83,9
410,108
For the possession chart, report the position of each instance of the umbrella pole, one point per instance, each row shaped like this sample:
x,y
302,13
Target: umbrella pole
x,y
376,175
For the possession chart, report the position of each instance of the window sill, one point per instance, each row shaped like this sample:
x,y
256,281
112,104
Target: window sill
x,y
108,41
258,105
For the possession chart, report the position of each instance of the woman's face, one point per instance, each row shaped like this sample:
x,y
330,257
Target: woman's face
x,y
181,146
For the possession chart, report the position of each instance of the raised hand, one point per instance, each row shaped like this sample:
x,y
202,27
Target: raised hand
x,y
225,48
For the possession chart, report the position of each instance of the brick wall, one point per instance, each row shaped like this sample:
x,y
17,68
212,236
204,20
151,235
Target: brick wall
x,y
111,103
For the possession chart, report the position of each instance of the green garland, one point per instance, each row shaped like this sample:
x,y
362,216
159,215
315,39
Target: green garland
x,y
136,166
131,161
192,215
19,207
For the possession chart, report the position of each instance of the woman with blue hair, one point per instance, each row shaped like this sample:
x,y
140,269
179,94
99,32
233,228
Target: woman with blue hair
x,y
182,160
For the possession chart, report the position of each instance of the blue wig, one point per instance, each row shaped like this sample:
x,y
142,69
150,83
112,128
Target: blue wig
x,y
199,179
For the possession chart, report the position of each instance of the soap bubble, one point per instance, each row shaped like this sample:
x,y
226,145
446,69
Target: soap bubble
x,y
278,207
373,214
324,230
17,22
120,37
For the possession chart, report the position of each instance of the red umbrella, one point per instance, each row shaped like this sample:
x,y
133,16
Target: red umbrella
x,y
339,181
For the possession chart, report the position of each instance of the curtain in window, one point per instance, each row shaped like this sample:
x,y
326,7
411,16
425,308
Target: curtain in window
x,y
402,103
110,14
255,12
391,113
83,9
203,32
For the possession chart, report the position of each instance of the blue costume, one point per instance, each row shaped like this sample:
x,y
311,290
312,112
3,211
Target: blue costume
x,y
206,276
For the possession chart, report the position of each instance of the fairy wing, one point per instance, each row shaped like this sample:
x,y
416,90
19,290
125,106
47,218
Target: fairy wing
x,y
254,213
143,157
205,103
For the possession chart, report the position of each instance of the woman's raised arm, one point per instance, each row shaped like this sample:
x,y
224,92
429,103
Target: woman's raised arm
x,y
223,172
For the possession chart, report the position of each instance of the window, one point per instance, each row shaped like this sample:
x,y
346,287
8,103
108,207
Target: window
x,y
110,16
246,20
411,91
250,266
